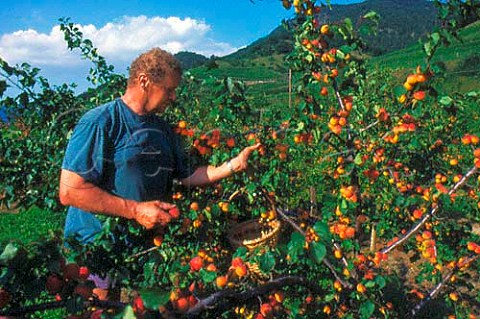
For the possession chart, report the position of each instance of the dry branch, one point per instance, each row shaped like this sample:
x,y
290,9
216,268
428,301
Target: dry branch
x,y
426,217
229,297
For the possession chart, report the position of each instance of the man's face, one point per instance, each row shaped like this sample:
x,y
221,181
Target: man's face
x,y
161,95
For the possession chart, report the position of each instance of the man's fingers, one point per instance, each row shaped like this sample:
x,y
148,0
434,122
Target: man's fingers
x,y
249,149
163,218
165,206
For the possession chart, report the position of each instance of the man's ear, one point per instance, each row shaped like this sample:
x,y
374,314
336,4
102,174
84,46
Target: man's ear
x,y
143,80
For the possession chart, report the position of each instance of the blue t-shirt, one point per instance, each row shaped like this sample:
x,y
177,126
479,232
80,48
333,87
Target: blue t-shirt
x,y
132,156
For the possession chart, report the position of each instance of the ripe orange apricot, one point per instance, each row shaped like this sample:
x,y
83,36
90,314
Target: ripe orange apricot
x,y
224,206
327,310
408,86
221,281
241,271
361,288
194,206
453,296
182,124
138,305
266,309
196,263
412,79
279,297
158,240
419,95
174,212
325,29
83,273
182,304
324,91
211,267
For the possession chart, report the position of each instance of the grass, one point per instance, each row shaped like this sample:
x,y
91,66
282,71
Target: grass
x,y
28,226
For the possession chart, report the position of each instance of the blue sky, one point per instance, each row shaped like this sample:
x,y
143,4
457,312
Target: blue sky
x,y
122,29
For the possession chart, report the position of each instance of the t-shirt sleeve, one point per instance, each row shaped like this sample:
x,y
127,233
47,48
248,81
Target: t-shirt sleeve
x,y
86,152
184,165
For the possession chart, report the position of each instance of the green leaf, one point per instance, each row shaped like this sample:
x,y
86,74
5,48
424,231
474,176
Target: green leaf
x,y
340,54
367,309
266,262
240,252
358,159
399,90
371,15
322,230
472,94
445,100
380,281
154,297
435,38
348,24
370,284
427,47
208,276
345,49
128,313
319,251
8,253
295,246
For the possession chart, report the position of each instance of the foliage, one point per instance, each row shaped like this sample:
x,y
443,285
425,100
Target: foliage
x,y
364,172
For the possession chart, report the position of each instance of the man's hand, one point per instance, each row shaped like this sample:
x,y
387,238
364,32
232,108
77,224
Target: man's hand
x,y
153,213
240,162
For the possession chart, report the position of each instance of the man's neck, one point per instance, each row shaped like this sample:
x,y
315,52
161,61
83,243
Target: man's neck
x,y
134,98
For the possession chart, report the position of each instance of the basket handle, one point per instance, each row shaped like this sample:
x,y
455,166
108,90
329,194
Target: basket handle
x,y
269,199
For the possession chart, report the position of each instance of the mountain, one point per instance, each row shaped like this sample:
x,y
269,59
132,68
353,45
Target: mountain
x,y
190,60
279,41
402,22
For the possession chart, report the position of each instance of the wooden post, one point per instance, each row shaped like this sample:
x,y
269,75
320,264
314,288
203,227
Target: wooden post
x,y
313,202
289,88
373,238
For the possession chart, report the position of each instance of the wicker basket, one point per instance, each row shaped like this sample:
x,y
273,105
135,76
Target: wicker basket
x,y
253,234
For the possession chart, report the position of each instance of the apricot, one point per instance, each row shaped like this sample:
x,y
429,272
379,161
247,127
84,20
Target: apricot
x,y
196,263
221,281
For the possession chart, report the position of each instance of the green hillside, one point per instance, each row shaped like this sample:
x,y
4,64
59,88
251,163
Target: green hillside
x,y
461,60
402,22
266,77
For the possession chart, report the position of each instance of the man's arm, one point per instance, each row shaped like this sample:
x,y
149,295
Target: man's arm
x,y
76,191
210,174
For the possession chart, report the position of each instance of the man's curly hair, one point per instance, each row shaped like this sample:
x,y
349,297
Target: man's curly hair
x,y
156,64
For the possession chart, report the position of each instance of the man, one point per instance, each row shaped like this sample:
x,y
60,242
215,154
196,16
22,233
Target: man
x,y
122,159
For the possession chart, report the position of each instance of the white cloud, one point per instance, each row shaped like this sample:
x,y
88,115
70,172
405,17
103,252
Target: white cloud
x,y
36,48
118,41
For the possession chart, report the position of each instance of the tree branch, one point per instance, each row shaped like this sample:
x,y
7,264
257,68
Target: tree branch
x,y
426,217
230,296
433,293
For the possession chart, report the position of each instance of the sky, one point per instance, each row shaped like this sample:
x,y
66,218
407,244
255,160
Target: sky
x,y
121,30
